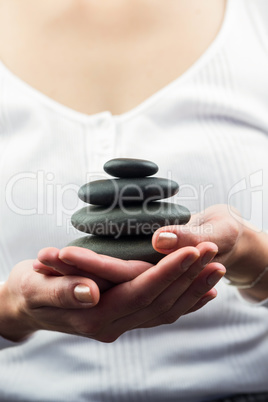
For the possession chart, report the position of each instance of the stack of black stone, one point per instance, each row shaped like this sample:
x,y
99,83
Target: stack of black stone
x,y
126,210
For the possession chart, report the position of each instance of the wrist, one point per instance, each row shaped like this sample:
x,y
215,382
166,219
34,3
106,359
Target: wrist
x,y
259,291
249,285
250,270
12,324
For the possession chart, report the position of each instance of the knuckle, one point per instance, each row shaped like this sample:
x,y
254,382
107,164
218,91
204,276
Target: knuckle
x,y
57,297
192,275
229,238
90,329
140,302
169,278
233,234
161,308
166,278
198,293
27,290
25,284
169,318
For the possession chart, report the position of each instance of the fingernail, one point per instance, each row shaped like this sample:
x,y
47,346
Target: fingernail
x,y
188,261
45,269
166,240
36,265
213,278
66,261
45,262
82,293
208,257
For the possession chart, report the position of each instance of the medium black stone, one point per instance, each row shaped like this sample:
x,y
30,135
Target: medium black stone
x,y
125,248
125,191
131,220
126,167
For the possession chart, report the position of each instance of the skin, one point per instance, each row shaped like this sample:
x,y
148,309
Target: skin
x,y
82,53
241,247
143,295
135,294
124,294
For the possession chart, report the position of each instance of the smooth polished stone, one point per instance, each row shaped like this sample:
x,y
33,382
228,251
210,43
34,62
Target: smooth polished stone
x,y
125,191
131,220
125,248
127,167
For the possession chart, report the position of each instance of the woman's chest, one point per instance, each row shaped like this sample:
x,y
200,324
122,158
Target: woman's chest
x,y
104,62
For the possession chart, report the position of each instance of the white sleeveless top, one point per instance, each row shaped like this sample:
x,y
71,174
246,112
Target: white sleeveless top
x,y
208,130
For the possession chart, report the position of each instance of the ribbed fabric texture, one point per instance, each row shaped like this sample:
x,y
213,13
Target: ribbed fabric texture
x,y
208,130
260,397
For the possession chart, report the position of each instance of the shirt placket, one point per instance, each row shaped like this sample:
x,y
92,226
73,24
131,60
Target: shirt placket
x,y
102,140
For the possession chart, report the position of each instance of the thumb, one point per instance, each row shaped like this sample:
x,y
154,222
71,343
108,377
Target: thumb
x,y
66,292
170,238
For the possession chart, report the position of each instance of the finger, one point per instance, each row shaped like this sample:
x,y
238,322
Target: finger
x,y
50,256
44,269
162,310
172,293
209,296
141,291
65,292
208,251
201,288
98,326
129,297
170,238
109,268
102,324
64,269
214,224
202,227
47,255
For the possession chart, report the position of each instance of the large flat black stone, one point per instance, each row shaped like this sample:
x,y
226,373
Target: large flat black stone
x,y
127,167
131,220
125,191
125,248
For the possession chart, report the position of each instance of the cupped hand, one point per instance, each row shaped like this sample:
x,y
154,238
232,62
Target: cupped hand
x,y
240,246
105,271
145,295
30,301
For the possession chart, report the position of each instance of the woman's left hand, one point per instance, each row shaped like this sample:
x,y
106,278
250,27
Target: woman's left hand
x,y
242,249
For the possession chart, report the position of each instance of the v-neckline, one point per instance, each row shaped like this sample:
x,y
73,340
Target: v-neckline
x,y
145,104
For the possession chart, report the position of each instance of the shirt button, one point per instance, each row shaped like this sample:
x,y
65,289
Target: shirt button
x,y
104,124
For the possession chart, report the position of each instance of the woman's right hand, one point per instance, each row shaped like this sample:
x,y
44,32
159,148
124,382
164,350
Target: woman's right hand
x,y
179,284
28,299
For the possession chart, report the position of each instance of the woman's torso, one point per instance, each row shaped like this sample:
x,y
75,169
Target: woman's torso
x,y
208,130
95,56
